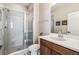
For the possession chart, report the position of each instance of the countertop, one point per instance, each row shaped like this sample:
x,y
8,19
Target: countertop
x,y
70,42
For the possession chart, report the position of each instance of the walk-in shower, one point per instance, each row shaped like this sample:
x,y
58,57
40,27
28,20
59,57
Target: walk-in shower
x,y
14,29
13,35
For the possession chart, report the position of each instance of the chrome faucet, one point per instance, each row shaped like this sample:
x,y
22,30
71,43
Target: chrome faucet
x,y
60,35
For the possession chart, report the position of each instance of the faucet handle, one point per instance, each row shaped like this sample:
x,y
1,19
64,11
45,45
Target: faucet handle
x,y
68,32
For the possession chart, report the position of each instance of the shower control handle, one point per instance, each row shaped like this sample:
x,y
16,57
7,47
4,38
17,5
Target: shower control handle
x,y
5,27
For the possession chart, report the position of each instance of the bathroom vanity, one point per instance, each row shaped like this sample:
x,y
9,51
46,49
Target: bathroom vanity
x,y
51,46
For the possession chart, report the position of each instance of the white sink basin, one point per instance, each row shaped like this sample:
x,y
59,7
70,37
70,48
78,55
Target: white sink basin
x,y
58,38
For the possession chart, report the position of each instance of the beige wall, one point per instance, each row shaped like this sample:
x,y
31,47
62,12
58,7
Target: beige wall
x,y
61,12
44,18
35,22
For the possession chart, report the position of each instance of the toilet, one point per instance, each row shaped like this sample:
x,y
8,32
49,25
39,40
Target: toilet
x,y
34,49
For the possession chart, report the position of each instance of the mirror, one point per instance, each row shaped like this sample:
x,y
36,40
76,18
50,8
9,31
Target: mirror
x,y
65,18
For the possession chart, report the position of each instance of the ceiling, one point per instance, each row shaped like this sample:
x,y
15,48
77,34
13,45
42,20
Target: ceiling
x,y
57,5
27,4
24,4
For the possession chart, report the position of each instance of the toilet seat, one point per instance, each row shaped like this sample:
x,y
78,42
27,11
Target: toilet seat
x,y
34,49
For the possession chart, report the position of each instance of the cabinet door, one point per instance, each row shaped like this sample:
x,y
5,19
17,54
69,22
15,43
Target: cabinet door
x,y
44,50
55,53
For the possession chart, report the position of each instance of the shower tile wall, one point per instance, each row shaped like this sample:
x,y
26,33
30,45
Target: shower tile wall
x,y
30,26
30,30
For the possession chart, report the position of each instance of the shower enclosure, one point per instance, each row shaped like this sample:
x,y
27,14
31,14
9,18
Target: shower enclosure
x,y
13,35
14,29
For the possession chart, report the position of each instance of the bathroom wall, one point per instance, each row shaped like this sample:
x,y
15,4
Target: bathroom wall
x,y
44,18
61,11
73,23
36,22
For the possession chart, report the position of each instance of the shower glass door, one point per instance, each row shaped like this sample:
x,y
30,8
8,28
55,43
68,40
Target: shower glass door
x,y
15,31
1,31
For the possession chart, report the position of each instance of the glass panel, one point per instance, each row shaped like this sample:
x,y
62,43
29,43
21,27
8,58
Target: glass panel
x,y
15,31
1,28
30,27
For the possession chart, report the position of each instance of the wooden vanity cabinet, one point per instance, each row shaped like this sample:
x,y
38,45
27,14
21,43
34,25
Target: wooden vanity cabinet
x,y
45,50
49,48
